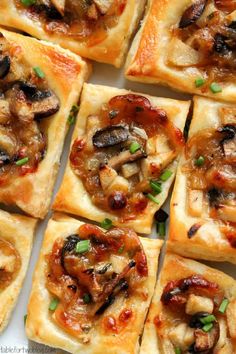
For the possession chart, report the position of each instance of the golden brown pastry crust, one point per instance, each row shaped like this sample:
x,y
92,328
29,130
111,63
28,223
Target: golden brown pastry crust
x,y
19,231
41,328
111,50
208,243
147,59
151,342
65,73
79,202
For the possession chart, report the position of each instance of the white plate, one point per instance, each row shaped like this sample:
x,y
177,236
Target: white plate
x,y
13,339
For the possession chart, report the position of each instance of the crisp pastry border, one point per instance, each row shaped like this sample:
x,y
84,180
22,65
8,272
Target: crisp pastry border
x,y
208,243
19,230
146,61
41,328
65,73
72,196
151,342
111,51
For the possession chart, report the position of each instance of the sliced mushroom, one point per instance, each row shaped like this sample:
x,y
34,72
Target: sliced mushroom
x,y
4,158
28,103
110,136
205,341
5,64
124,157
192,13
228,143
220,45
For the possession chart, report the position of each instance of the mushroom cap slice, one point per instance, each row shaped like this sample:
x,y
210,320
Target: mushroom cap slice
x,y
110,136
5,64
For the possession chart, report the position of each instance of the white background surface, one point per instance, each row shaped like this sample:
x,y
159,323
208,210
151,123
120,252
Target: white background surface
x,y
14,340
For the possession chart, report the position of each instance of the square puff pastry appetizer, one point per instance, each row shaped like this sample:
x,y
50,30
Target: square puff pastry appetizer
x,y
39,84
96,29
188,45
203,204
16,238
107,307
123,156
193,310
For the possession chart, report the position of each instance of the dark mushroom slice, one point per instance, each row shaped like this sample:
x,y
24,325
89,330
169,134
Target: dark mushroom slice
x,y
192,13
4,158
228,143
220,44
121,286
27,102
69,246
118,161
214,195
5,64
110,136
205,341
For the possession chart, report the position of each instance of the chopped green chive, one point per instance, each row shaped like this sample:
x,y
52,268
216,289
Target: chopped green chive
x,y
53,304
121,249
71,118
199,82
207,327
156,187
166,175
161,229
177,351
39,72
86,298
199,161
223,306
106,224
215,88
22,162
28,2
152,198
74,108
83,246
135,146
25,318
208,319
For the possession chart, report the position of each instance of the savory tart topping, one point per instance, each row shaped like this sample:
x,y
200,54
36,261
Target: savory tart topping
x,y
194,309
126,155
86,20
211,178
10,263
205,38
24,100
89,271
